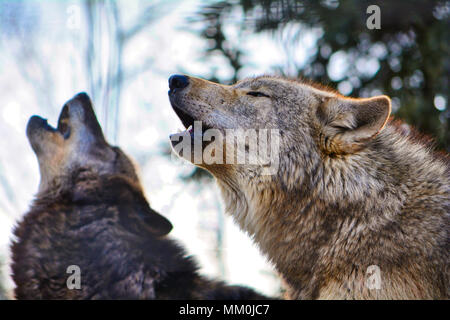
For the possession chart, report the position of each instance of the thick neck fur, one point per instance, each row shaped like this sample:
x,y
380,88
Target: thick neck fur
x,y
86,186
322,219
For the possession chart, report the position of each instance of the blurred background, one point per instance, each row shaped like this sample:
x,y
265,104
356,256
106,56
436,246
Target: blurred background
x,y
122,52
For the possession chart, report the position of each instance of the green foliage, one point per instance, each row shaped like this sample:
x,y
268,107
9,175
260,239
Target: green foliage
x,y
410,52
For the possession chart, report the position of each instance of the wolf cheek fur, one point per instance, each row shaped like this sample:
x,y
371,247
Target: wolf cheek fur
x,y
90,212
352,190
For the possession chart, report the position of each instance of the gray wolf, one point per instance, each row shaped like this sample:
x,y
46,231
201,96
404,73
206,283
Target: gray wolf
x,y
358,207
90,213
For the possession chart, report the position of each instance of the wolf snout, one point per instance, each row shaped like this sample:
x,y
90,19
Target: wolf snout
x,y
83,97
35,123
178,81
81,103
79,113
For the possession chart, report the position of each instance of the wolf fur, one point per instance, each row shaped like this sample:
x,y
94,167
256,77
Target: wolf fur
x,y
90,212
354,190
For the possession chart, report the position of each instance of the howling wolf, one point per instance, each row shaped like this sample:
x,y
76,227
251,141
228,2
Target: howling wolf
x,y
357,208
90,219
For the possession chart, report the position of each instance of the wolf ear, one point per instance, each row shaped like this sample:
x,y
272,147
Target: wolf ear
x,y
348,124
154,222
143,219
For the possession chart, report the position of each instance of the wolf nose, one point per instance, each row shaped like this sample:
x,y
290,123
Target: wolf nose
x,y
178,82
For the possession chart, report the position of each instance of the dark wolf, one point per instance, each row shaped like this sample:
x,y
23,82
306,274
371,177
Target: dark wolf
x,y
90,213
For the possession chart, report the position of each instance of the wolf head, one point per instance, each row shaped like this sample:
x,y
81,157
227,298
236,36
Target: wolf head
x,y
310,121
312,126
76,144
77,164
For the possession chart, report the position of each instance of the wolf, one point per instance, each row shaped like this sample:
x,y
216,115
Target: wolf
x,y
90,220
358,206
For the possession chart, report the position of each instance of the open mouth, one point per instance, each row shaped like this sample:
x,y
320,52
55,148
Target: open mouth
x,y
39,123
190,124
186,119
194,132
45,125
77,114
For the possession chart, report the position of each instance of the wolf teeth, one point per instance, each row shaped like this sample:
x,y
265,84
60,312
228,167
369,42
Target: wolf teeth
x,y
188,130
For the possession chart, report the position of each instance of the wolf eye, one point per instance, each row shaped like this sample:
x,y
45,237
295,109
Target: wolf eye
x,y
257,94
